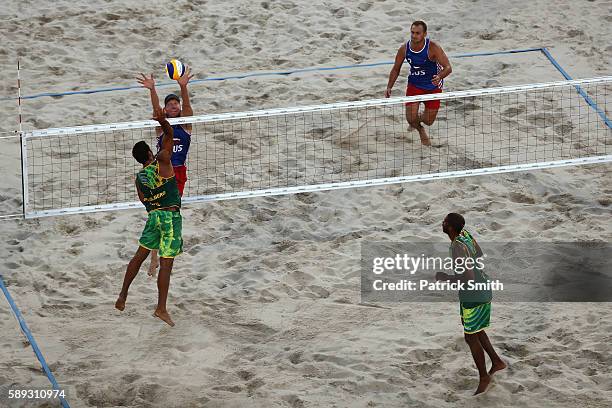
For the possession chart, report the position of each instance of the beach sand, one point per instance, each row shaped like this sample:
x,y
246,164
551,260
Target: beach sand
x,y
266,298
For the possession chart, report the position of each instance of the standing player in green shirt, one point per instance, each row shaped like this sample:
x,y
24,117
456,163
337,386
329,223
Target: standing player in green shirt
x,y
158,191
474,305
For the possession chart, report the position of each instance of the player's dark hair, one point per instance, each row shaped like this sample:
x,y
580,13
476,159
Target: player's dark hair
x,y
422,24
140,151
171,97
456,221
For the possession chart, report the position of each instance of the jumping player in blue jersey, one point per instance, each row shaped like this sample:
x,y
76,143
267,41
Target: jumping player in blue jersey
x,y
182,133
429,66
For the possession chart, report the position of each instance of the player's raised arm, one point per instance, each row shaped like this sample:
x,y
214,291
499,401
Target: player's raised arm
x,y
167,142
149,83
395,71
183,81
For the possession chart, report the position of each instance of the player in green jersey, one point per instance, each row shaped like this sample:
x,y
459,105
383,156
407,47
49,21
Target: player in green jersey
x,y
158,191
474,305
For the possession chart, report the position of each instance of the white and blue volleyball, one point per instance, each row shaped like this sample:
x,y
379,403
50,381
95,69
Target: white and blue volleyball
x,y
175,69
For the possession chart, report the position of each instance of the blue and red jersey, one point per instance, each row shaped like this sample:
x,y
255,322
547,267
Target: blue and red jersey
x,y
182,141
422,69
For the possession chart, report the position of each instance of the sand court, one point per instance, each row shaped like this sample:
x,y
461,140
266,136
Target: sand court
x,y
266,298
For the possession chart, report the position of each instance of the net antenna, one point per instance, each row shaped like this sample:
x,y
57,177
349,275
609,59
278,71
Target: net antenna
x,y
23,142
19,96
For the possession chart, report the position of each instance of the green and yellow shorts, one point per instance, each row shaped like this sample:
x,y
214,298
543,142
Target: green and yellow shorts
x,y
476,318
164,232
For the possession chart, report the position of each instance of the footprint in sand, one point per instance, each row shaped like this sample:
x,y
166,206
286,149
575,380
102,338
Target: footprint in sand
x,y
340,361
514,111
131,378
564,129
253,385
229,388
521,198
365,6
318,292
245,374
294,401
296,357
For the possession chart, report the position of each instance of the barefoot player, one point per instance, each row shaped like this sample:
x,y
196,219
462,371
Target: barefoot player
x,y
474,305
158,191
429,65
182,134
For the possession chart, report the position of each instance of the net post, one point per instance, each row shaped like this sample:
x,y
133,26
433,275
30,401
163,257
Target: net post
x,y
24,172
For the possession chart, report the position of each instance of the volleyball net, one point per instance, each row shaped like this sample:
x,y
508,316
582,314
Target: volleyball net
x,y
314,148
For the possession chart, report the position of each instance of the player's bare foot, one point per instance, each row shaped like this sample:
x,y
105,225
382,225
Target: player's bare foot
x,y
482,386
120,303
423,135
497,366
164,316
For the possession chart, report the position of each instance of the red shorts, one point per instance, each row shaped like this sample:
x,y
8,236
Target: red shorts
x,y
412,90
180,172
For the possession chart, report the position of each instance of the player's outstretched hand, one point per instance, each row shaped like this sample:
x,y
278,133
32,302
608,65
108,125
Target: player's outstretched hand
x,y
148,83
186,77
159,115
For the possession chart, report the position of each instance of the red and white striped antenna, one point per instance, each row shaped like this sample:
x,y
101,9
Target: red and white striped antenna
x,y
19,97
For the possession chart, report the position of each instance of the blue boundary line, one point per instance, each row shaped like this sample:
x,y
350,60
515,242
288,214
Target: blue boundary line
x,y
258,74
543,50
581,91
28,334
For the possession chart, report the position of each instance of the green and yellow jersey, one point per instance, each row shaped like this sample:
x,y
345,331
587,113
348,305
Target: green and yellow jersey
x,y
158,192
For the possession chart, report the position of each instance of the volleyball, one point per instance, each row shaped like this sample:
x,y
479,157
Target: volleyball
x,y
175,69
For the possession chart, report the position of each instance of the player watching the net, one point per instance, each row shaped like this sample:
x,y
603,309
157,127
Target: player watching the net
x,y
429,66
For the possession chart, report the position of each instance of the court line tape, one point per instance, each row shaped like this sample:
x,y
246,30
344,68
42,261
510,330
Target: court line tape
x,y
581,91
26,331
258,74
